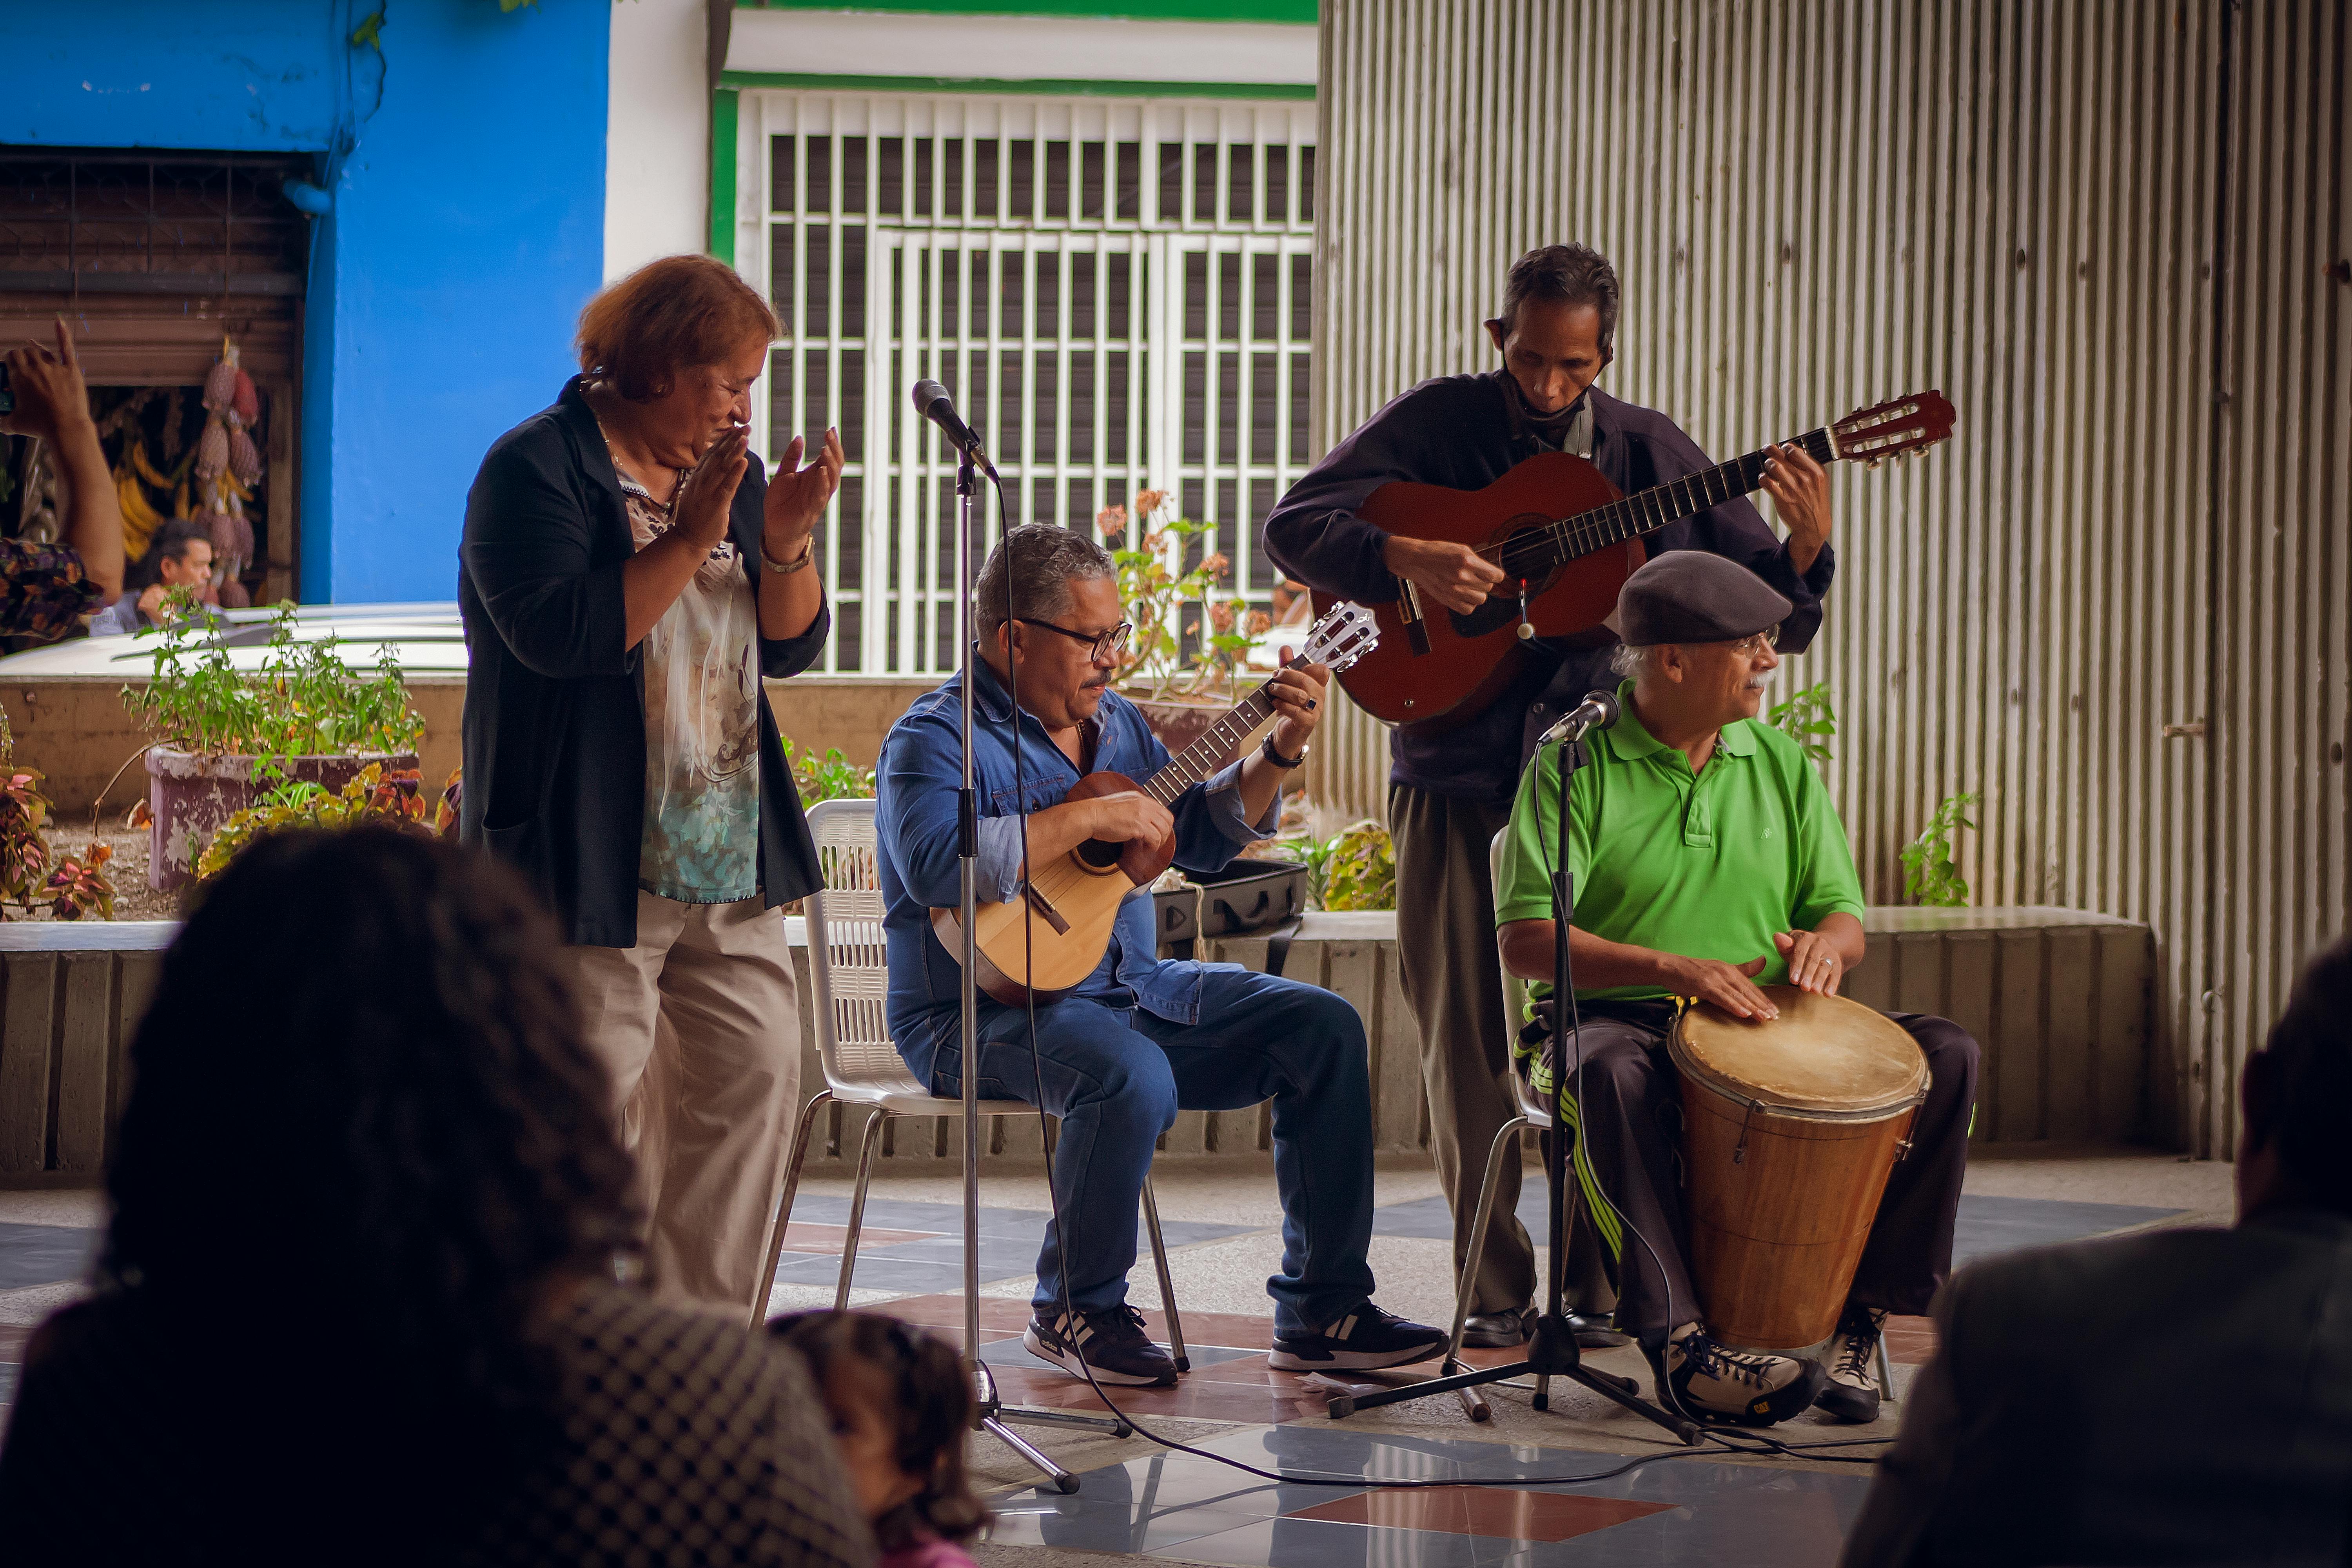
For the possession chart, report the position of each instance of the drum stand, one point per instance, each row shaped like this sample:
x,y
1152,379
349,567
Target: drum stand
x,y
1553,1352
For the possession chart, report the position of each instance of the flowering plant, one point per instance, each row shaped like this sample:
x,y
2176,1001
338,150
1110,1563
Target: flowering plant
x,y
375,798
1161,593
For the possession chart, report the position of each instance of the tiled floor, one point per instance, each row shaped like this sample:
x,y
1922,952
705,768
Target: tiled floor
x,y
1556,1506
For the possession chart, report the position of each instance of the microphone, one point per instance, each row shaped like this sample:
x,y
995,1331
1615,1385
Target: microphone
x,y
932,402
1597,712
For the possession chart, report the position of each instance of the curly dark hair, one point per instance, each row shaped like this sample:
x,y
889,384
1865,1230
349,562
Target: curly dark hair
x,y
365,1142
933,1401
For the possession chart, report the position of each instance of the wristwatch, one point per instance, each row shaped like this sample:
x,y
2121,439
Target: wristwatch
x,y
1278,760
785,568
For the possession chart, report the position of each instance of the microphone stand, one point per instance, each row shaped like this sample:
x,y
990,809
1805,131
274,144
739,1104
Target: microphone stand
x,y
1553,1352
989,1413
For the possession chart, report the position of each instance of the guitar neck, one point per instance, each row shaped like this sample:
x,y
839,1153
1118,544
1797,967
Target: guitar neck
x,y
1217,746
1646,511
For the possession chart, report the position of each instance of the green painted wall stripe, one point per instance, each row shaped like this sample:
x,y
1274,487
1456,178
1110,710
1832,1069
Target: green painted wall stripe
x,y
1301,11
724,104
1252,89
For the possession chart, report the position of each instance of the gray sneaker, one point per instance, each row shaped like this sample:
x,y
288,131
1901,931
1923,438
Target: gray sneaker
x,y
1851,1394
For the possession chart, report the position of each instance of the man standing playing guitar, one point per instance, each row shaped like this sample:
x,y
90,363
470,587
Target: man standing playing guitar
x,y
1453,777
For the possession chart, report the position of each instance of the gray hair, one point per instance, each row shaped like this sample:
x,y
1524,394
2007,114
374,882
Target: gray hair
x,y
1633,663
1048,558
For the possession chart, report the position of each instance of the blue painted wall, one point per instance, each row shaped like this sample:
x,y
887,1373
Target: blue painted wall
x,y
467,227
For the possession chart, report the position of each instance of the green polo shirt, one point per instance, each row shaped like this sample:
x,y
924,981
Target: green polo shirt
x,y
1707,866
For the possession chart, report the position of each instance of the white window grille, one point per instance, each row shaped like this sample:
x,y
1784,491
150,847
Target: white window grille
x,y
1116,290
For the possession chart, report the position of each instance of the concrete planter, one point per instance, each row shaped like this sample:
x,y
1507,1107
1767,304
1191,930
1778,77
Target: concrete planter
x,y
190,794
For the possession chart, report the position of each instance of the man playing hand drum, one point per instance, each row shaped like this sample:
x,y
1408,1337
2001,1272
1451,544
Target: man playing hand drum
x,y
1706,861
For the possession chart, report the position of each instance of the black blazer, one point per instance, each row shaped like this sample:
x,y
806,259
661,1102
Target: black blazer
x,y
555,708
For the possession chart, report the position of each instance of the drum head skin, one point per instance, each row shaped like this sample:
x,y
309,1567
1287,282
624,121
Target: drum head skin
x,y
1823,1055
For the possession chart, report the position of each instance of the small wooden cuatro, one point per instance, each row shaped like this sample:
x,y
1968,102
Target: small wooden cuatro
x,y
1791,1127
1043,943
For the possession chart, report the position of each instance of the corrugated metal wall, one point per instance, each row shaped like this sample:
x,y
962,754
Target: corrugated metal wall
x,y
2112,234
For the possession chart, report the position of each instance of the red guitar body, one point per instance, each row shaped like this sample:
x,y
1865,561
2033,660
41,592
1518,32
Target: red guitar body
x,y
1445,662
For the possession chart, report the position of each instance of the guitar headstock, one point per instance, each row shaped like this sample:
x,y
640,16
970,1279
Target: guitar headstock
x,y
1895,428
1345,633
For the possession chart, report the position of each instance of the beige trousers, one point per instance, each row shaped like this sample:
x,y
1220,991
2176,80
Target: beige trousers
x,y
699,1027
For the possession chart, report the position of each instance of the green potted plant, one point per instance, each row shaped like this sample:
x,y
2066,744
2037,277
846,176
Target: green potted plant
x,y
225,736
1166,602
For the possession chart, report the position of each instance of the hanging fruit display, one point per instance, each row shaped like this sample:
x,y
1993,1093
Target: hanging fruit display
x,y
213,481
227,466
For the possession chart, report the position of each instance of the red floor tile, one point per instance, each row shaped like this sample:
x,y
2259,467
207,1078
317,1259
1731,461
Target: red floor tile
x,y
1506,1515
1910,1341
829,1239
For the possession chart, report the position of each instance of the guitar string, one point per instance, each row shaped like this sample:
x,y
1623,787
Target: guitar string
x,y
1570,538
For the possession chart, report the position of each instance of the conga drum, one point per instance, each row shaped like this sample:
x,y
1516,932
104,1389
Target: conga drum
x,y
1790,1128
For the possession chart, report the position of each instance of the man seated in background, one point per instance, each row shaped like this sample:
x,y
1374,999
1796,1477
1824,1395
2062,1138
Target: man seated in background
x,y
183,554
2179,1396
1139,1039
46,588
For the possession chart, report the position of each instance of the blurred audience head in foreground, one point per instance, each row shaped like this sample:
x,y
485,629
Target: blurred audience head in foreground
x,y
2174,1395
369,1211
901,1409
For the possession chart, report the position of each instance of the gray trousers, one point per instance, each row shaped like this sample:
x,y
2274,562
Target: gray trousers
x,y
1454,982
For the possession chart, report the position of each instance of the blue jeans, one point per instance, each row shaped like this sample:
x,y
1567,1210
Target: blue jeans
x,y
1116,1078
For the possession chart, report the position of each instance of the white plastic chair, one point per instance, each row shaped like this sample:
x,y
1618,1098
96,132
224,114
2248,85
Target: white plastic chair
x,y
862,1066
1533,1112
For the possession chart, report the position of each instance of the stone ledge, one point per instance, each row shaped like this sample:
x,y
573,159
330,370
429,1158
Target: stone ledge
x,y
2058,999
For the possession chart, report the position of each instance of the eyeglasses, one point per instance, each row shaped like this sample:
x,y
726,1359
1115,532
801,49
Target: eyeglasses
x,y
1103,648
1749,647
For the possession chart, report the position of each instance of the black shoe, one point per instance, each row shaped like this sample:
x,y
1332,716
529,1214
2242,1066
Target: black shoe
x,y
1594,1332
1364,1340
1110,1341
1498,1330
1707,1380
1851,1394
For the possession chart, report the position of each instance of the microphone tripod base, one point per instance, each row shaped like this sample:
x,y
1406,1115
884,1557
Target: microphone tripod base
x,y
1552,1353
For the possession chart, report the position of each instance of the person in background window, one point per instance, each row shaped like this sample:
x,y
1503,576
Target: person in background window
x,y
46,588
371,1291
628,576
183,554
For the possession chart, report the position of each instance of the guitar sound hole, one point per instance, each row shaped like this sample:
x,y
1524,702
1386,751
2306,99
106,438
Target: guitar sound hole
x,y
1100,853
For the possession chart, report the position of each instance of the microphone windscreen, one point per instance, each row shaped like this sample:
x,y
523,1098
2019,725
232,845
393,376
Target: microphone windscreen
x,y
1607,701
928,393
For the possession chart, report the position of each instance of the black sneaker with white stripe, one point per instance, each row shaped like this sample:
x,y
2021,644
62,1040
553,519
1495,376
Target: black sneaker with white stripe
x,y
1111,1342
1364,1340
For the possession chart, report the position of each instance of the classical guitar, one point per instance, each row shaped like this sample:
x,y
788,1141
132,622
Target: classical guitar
x,y
1566,540
1048,940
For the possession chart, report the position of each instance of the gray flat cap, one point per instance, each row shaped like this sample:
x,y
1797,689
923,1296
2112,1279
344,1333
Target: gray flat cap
x,y
1692,596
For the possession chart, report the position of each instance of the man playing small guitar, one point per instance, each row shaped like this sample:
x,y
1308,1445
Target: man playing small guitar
x,y
1453,780
1137,1039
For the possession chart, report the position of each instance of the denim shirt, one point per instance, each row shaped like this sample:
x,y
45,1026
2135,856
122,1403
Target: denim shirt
x,y
915,824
